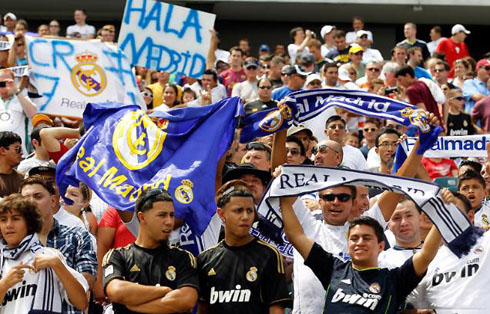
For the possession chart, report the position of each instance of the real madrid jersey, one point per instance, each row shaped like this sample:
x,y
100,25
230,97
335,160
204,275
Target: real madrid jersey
x,y
244,279
373,290
165,266
482,216
457,285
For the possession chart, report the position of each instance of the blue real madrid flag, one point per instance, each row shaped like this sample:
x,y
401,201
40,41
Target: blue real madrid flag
x,y
124,152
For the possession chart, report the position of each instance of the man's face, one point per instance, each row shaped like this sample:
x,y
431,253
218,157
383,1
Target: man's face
x,y
236,58
79,16
357,25
316,52
43,30
293,154
336,211
252,71
9,23
297,81
370,131
363,245
417,57
279,50
404,80
314,84
409,31
255,186
326,156
441,73
13,154
400,55
340,43
159,221
163,76
336,131
303,137
299,36
361,202
485,172
45,202
208,81
356,58
238,215
484,73
331,76
244,45
372,71
387,147
474,191
258,158
434,35
405,223
457,101
265,89
7,91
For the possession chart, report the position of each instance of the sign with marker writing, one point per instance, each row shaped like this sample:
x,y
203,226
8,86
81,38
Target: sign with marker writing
x,y
166,37
68,74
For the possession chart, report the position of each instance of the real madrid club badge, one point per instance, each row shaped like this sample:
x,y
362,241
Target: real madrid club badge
x,y
87,76
170,273
252,274
183,193
375,288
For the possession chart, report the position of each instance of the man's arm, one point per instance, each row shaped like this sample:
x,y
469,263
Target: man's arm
x,y
293,229
177,301
105,237
133,294
50,137
28,106
211,58
422,258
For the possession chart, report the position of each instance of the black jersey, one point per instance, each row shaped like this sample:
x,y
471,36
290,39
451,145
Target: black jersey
x,y
460,125
164,266
374,290
245,279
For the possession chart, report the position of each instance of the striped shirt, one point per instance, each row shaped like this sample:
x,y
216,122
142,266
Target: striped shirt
x,y
230,78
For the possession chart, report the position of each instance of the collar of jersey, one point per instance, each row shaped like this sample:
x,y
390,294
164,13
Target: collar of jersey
x,y
367,268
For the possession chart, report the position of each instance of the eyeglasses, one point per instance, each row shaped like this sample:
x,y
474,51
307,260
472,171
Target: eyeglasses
x,y
18,149
317,83
336,126
293,151
360,53
439,70
322,149
386,144
265,66
374,70
147,94
342,197
265,87
257,146
3,84
370,130
458,98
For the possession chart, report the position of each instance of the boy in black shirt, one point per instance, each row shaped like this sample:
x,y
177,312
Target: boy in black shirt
x,y
148,276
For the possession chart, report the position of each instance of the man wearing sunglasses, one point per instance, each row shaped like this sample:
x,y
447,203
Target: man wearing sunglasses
x,y
10,157
459,122
297,77
264,100
150,275
247,90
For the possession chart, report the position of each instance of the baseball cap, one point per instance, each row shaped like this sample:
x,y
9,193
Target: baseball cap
x,y
246,168
222,55
251,63
41,118
264,47
355,48
482,63
361,33
49,169
313,77
344,73
298,128
326,29
294,69
459,28
11,16
308,58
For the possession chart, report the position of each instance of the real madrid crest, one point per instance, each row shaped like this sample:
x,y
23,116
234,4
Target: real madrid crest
x,y
183,193
252,274
375,288
275,119
87,76
417,117
170,274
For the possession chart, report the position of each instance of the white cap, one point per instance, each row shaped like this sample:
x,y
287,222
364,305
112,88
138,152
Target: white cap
x,y
459,28
361,33
326,29
222,55
11,16
313,77
344,72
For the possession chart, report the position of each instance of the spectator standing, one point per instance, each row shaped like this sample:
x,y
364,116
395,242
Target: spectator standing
x,y
454,47
40,157
80,29
327,33
477,88
410,32
247,90
300,38
54,28
235,74
277,63
315,46
357,25
435,37
341,53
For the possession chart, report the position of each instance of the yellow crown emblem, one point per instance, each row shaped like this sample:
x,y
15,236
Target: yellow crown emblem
x,y
86,57
187,182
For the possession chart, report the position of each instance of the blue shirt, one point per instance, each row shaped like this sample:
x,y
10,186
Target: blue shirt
x,y
421,72
75,244
471,87
281,92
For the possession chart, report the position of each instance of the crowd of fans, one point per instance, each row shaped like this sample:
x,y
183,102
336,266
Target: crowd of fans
x,y
141,273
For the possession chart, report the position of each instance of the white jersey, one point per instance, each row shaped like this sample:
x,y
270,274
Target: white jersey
x,y
395,257
457,285
309,294
482,216
21,297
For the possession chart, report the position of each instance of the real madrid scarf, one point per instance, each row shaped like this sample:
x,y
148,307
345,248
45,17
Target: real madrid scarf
x,y
454,226
304,105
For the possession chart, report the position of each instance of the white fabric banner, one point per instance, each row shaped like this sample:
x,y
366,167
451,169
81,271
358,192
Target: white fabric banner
x,y
453,146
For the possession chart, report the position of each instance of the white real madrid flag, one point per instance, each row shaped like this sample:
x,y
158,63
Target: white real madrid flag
x,y
68,74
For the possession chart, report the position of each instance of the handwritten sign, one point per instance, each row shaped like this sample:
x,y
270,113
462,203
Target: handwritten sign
x,y
166,37
68,74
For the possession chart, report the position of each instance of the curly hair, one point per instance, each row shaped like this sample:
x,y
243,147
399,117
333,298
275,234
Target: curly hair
x,y
26,208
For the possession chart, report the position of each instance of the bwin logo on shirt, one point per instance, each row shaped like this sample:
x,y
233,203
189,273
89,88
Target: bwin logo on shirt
x,y
340,296
20,292
227,296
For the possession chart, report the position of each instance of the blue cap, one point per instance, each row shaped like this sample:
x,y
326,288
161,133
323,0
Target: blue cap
x,y
264,47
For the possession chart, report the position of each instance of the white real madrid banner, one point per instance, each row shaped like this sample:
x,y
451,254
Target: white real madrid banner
x,y
68,74
453,146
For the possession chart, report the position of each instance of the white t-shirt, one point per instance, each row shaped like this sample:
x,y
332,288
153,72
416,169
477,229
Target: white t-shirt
x,y
457,285
293,52
353,158
482,216
67,219
84,30
433,45
351,37
13,118
372,55
247,91
373,159
217,93
309,294
395,257
29,163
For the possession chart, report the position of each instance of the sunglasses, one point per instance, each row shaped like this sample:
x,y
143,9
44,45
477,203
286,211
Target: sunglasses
x,y
439,70
3,83
336,126
54,26
459,98
147,94
369,130
253,67
151,193
265,87
257,146
293,151
265,66
315,83
360,53
374,70
18,149
322,149
342,197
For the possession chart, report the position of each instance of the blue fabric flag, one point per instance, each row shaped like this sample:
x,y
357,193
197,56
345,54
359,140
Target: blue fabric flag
x,y
307,104
125,152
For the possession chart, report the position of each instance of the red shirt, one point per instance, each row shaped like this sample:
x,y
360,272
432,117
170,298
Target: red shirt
x,y
111,219
230,78
418,93
439,169
56,156
453,51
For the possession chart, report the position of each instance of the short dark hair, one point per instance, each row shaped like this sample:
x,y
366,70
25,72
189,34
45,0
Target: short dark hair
x,y
411,50
211,72
476,166
373,121
368,221
358,18
83,10
386,131
294,139
352,188
277,60
232,188
404,70
236,48
46,183
445,64
146,199
333,119
470,175
437,29
465,200
329,65
339,34
292,32
35,133
26,208
8,138
264,78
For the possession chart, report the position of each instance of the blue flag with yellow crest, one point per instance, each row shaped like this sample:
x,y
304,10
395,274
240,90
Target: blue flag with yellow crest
x,y
125,152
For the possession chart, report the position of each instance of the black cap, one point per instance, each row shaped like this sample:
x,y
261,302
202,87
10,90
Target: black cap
x,y
49,168
236,173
